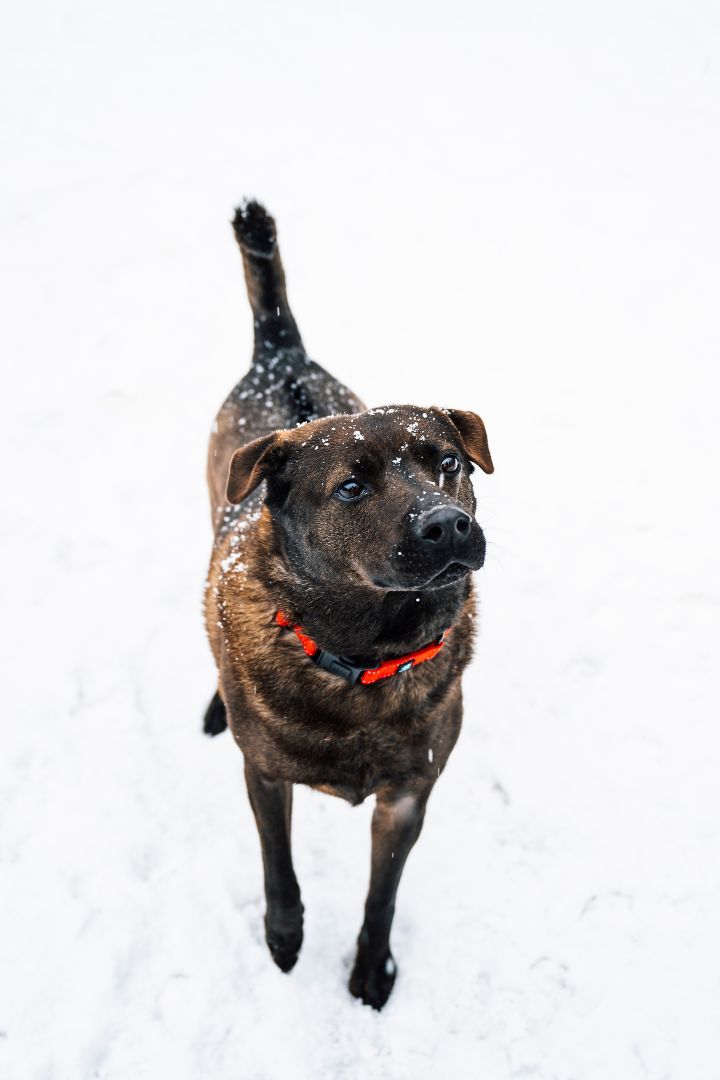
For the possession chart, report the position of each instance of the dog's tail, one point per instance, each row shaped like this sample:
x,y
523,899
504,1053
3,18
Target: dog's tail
x,y
256,235
215,719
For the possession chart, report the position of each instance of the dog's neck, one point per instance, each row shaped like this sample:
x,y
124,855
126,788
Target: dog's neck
x,y
361,622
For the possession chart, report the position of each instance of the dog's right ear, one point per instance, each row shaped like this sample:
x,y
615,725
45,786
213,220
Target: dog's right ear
x,y
251,464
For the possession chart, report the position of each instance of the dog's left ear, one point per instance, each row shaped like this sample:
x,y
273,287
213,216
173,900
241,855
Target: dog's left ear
x,y
474,437
252,463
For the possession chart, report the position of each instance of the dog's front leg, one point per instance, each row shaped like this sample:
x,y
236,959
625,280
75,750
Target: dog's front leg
x,y
271,801
396,825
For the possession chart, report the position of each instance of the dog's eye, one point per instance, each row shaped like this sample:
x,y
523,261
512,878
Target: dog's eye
x,y
450,464
350,491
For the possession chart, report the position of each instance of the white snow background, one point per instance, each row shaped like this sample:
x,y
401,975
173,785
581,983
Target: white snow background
x,y
506,207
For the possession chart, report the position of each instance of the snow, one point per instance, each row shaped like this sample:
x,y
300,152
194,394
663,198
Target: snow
x,y
508,208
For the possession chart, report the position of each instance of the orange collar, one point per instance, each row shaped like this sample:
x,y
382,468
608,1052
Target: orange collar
x,y
338,665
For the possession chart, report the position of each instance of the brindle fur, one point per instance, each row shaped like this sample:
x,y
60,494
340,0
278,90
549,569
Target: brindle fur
x,y
285,438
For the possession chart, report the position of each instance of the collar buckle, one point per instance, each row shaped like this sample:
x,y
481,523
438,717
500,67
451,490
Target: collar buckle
x,y
337,665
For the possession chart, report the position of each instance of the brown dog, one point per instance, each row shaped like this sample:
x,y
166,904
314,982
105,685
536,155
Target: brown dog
x,y
339,602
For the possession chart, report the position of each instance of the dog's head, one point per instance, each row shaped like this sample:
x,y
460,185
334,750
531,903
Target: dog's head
x,y
382,498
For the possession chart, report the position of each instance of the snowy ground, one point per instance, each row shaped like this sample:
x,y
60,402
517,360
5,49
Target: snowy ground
x,y
511,208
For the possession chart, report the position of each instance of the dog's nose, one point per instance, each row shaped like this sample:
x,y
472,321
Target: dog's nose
x,y
445,526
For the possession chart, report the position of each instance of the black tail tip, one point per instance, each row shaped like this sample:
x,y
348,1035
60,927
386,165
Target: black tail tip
x,y
215,719
254,229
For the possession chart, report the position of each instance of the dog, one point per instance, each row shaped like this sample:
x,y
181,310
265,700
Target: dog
x,y
339,601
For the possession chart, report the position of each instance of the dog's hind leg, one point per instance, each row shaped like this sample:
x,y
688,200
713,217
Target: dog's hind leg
x,y
396,825
215,719
275,327
271,801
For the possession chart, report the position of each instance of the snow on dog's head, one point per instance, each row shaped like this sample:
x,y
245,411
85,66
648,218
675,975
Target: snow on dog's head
x,y
381,497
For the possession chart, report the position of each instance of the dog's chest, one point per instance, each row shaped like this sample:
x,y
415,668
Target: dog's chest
x,y
356,768
354,757
356,779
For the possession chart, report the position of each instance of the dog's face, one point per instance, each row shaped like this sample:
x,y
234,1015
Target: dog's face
x,y
382,498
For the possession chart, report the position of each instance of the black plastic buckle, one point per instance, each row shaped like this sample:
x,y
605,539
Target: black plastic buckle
x,y
338,665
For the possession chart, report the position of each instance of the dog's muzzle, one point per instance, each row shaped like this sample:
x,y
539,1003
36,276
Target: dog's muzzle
x,y
441,545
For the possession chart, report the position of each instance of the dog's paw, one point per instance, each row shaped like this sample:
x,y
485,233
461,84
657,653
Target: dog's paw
x,y
372,982
284,941
254,229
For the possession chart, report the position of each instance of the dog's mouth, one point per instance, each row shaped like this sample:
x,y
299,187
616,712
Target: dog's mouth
x,y
452,573
417,567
